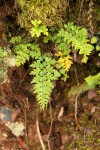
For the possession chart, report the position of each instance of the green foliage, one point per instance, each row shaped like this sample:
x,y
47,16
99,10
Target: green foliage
x,y
50,36
93,40
50,12
1,53
38,29
16,39
98,48
45,67
92,81
43,71
22,51
78,89
74,38
44,74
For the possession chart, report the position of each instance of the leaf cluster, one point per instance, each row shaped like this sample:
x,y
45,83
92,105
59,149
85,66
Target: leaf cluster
x,y
43,76
43,70
74,38
38,29
90,83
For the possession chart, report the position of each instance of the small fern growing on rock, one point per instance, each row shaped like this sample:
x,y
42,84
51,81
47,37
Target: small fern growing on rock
x,y
46,67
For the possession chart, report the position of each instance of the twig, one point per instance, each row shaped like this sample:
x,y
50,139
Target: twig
x,y
22,79
77,94
76,75
50,127
39,134
76,106
26,107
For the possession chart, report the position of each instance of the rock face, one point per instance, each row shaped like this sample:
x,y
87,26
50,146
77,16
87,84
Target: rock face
x,y
8,114
5,114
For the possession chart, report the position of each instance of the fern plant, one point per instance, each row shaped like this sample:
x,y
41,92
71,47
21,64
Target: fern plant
x,y
38,29
45,67
43,71
73,38
90,83
43,76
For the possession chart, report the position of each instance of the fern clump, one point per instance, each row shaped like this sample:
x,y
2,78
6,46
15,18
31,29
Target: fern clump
x,y
46,67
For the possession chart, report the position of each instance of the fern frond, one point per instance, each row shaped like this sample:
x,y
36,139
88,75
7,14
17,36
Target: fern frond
x,y
78,90
74,36
90,83
22,51
16,39
38,29
43,76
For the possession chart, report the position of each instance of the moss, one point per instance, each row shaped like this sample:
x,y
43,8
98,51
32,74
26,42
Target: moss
x,y
50,12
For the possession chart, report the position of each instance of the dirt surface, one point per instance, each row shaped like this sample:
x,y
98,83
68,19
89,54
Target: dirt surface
x,y
60,126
